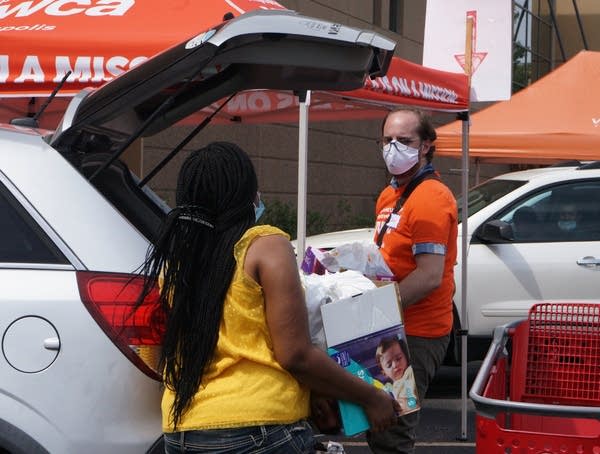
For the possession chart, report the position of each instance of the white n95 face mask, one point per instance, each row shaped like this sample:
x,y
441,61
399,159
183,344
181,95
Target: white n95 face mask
x,y
399,158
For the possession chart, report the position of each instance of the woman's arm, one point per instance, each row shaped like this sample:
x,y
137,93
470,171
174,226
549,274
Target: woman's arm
x,y
271,261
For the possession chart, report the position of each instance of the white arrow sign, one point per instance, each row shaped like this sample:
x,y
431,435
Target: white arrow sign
x,y
491,43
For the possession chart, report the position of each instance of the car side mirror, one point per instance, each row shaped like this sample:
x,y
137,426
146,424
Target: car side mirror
x,y
495,231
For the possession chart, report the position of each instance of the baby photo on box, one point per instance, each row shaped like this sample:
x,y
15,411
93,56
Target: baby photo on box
x,y
381,359
394,361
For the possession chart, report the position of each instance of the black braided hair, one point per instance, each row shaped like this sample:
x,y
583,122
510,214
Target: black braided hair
x,y
216,188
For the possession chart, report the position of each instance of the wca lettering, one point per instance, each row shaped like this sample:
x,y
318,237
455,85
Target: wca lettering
x,y
65,8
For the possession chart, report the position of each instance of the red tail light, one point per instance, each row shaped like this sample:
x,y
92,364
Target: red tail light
x,y
110,298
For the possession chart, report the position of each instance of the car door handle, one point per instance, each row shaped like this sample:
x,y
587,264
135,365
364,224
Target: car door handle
x,y
52,343
589,261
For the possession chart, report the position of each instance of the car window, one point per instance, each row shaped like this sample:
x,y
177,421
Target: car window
x,y
567,212
142,207
21,239
482,195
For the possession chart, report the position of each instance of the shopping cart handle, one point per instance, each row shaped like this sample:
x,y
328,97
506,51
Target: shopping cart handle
x,y
490,407
497,348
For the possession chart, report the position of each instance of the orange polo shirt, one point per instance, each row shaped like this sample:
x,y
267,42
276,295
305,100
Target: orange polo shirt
x,y
427,224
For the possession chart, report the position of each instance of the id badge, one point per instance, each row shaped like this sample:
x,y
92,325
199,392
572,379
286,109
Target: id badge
x,y
394,219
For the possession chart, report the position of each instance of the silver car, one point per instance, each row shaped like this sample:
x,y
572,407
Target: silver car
x,y
76,371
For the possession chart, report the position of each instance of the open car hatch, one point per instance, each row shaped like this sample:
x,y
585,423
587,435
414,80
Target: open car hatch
x,y
261,49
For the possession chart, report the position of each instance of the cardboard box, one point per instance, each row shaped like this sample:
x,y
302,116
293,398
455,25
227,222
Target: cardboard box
x,y
361,333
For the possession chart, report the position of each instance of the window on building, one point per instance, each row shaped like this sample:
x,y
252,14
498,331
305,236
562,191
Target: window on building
x,y
532,42
544,37
388,13
396,8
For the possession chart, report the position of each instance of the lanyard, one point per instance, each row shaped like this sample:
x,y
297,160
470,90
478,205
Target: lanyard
x,y
427,174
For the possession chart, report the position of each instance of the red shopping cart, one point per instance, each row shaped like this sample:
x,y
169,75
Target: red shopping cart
x,y
538,388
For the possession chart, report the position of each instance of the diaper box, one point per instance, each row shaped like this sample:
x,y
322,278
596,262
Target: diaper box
x,y
365,335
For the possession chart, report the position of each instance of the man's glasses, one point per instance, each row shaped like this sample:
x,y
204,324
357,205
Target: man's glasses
x,y
406,141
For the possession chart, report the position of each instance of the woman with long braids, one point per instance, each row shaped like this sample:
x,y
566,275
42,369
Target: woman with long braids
x,y
237,359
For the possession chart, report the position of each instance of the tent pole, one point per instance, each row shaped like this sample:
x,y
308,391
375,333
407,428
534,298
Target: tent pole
x,y
304,98
464,116
463,308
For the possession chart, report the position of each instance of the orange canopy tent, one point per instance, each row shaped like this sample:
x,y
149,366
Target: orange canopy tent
x,y
556,118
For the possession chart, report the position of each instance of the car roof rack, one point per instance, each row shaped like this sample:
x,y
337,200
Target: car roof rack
x,y
569,163
589,165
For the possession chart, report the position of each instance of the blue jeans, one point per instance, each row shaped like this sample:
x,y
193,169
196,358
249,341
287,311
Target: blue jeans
x,y
276,439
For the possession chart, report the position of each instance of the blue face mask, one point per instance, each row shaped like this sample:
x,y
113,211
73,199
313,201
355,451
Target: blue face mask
x,y
259,210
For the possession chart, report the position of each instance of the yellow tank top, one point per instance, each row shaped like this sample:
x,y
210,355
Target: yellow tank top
x,y
244,385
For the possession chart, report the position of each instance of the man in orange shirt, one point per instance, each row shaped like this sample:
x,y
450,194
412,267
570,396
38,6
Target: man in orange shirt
x,y
416,229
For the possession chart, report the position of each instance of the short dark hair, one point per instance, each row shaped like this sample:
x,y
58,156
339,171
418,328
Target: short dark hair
x,y
425,129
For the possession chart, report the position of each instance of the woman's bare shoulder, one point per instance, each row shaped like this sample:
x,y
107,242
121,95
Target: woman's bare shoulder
x,y
271,245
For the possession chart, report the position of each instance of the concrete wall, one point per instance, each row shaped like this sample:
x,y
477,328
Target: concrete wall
x,y
345,165
589,11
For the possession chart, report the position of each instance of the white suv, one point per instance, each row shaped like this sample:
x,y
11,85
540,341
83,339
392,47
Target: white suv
x,y
76,368
517,252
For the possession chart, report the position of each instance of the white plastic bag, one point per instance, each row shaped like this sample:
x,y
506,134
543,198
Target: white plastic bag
x,y
360,256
